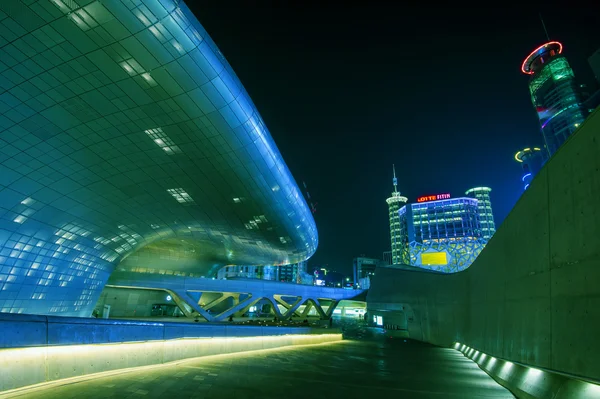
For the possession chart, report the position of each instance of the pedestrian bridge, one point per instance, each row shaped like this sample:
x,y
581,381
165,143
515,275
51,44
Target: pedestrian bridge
x,y
129,294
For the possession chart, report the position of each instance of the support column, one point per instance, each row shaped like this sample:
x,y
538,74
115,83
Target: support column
x,y
226,295
322,313
243,305
307,308
331,308
290,309
182,296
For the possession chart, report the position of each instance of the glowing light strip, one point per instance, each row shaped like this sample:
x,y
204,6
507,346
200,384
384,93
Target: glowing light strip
x,y
514,373
166,352
558,113
560,47
475,189
525,176
522,153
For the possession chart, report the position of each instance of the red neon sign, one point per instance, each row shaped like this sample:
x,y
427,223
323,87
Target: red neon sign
x,y
436,197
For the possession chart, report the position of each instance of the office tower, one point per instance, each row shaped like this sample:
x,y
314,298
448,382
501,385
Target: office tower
x,y
554,94
363,269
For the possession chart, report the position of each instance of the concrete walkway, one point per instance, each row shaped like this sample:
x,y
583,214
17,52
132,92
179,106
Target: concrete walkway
x,y
349,369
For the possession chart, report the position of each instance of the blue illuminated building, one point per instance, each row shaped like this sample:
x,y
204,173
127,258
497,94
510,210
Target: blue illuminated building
x,y
444,235
128,144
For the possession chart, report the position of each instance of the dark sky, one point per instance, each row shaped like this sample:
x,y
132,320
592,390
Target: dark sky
x,y
347,91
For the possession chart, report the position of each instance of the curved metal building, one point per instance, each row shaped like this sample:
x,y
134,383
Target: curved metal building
x,y
126,140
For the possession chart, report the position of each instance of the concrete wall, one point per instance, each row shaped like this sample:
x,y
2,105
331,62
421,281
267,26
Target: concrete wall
x,y
531,383
20,331
533,295
132,302
36,349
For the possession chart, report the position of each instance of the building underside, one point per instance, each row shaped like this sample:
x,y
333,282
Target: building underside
x,y
127,141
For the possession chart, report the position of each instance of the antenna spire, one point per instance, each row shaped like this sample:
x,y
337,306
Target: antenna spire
x,y
544,25
394,180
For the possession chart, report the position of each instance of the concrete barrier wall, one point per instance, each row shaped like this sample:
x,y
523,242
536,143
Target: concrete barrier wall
x,y
31,330
57,356
533,295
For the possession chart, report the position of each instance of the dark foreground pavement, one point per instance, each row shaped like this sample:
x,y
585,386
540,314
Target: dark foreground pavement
x,y
366,368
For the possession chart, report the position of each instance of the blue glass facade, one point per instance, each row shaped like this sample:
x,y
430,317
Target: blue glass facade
x,y
443,235
128,142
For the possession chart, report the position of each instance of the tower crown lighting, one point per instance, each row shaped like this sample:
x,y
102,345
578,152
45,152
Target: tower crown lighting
x,y
540,56
519,156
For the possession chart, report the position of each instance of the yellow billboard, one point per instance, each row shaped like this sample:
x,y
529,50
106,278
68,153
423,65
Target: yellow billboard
x,y
434,258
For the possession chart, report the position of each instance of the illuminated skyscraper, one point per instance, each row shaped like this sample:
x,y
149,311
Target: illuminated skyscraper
x,y
442,233
554,94
394,203
532,160
484,209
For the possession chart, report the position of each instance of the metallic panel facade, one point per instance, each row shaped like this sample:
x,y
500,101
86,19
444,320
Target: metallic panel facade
x,y
127,139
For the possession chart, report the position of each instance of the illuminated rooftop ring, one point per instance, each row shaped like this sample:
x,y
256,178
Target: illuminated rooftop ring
x,y
536,55
524,152
476,189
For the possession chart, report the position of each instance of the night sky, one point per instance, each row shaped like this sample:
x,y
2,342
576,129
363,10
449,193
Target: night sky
x,y
348,91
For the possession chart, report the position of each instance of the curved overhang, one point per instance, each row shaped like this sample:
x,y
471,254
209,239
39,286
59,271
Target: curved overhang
x,y
128,141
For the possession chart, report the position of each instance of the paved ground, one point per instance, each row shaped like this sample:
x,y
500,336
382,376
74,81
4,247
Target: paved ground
x,y
373,367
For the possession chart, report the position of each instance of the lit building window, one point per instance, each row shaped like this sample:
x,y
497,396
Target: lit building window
x,y
20,219
83,19
149,79
180,195
163,141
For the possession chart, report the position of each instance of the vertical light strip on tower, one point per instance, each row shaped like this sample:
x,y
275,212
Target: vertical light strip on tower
x,y
394,203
